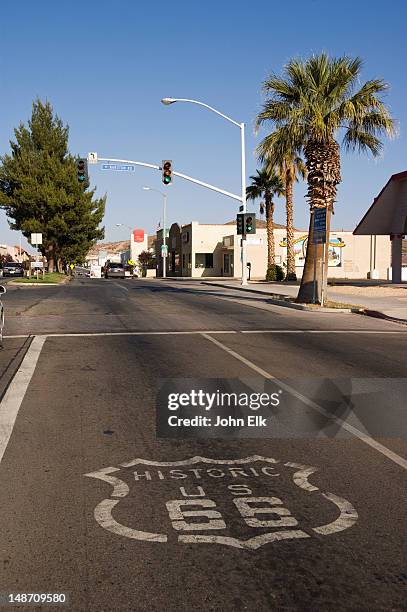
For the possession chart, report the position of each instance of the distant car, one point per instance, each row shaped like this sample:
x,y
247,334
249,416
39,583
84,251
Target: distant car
x,y
114,270
12,268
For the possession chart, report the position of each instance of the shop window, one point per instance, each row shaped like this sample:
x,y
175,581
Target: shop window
x,y
203,260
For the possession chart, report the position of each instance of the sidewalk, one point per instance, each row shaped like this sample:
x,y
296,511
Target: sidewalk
x,y
380,299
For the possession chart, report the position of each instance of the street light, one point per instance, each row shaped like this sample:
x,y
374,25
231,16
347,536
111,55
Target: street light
x,y
123,225
163,250
167,102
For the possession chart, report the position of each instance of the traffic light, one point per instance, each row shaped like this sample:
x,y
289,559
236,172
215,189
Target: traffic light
x,y
246,223
167,171
250,223
82,170
240,224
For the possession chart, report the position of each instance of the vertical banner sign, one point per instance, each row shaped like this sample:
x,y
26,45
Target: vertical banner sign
x,y
319,225
138,235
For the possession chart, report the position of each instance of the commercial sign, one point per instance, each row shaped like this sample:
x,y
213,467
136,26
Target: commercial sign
x,y
138,235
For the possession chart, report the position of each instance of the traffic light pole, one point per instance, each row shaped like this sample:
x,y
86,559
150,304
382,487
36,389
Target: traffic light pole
x,y
244,207
165,236
241,198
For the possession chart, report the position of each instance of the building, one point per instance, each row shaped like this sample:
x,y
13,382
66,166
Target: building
x,y
387,219
17,253
213,250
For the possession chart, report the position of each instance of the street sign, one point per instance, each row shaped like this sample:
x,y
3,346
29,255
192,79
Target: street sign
x,y
37,264
36,239
120,167
92,158
138,235
164,250
319,226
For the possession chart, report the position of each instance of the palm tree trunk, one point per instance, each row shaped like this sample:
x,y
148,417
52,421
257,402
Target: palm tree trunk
x,y
271,251
306,291
323,165
290,227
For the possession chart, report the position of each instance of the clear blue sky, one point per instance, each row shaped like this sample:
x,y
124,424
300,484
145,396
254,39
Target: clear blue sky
x,y
105,66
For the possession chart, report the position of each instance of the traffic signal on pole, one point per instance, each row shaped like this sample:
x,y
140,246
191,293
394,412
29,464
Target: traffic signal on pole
x,y
167,171
246,223
82,170
250,223
240,224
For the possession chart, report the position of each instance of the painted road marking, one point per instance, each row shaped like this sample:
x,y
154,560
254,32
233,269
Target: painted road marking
x,y
350,428
14,395
250,506
122,287
217,331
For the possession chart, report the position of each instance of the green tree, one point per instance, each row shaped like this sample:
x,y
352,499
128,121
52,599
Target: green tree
x,y
147,261
290,166
40,192
266,184
311,106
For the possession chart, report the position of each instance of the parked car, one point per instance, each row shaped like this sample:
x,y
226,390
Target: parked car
x,y
114,270
12,268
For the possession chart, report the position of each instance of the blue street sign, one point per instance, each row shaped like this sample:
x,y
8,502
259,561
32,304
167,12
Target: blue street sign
x,y
319,226
121,167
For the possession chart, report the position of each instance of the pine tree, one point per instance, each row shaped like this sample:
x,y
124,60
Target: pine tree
x,y
40,192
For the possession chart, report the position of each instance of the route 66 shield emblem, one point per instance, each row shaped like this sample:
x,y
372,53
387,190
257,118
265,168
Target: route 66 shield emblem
x,y
245,503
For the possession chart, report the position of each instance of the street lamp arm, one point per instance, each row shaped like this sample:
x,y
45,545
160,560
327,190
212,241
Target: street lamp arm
x,y
208,186
208,107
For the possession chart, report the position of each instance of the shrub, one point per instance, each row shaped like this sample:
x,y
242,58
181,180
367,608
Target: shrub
x,y
275,273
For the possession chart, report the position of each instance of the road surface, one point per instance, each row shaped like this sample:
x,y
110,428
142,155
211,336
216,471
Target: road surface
x,y
96,506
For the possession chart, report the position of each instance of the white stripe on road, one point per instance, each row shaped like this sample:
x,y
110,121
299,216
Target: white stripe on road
x,y
14,395
321,331
218,331
308,402
121,287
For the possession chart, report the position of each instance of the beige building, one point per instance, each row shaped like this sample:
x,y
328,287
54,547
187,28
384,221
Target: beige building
x,y
213,250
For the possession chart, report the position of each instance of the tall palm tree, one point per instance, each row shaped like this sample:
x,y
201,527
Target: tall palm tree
x,y
310,106
266,184
289,167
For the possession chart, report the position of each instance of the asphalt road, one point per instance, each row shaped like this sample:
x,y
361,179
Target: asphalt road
x,y
307,515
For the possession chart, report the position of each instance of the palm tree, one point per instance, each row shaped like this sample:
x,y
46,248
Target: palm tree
x,y
290,167
310,106
266,184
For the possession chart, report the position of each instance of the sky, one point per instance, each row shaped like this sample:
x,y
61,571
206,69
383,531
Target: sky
x,y
105,65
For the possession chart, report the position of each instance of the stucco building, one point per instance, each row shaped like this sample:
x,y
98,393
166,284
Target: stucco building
x,y
213,250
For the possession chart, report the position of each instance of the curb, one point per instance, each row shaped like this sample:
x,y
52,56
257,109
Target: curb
x,y
17,284
378,315
280,300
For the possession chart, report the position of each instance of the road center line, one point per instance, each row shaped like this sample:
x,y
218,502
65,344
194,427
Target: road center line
x,y
350,428
14,395
122,287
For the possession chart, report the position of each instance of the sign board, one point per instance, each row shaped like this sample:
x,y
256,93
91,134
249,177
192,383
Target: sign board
x,y
319,225
254,241
95,271
121,167
138,235
37,264
92,158
164,250
36,239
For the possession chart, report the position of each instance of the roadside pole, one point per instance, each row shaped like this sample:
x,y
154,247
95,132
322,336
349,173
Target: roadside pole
x,y
323,275
244,204
165,236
